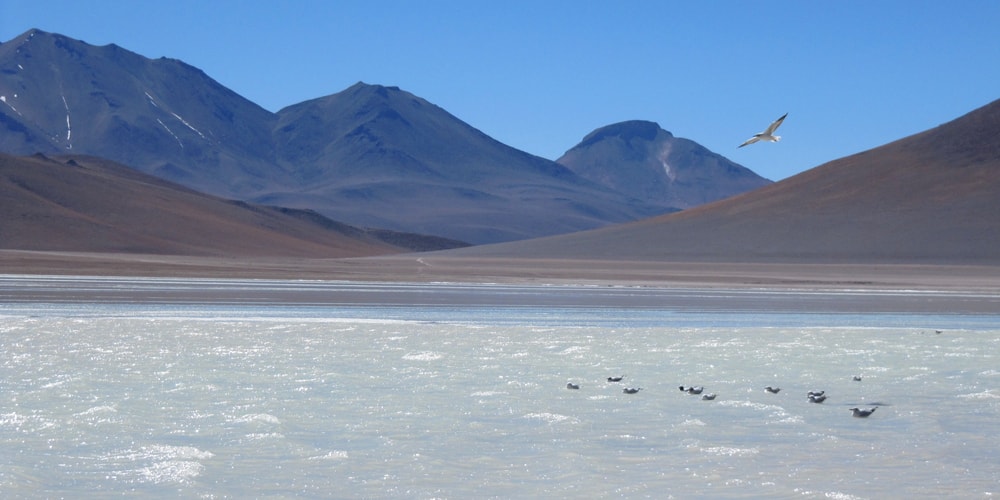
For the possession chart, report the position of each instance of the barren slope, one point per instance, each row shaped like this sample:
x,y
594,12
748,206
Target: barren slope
x,y
84,204
933,197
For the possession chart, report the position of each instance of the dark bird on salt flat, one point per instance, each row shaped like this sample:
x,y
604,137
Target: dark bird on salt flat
x,y
631,390
857,412
571,385
857,378
616,379
817,399
773,390
709,396
815,393
692,390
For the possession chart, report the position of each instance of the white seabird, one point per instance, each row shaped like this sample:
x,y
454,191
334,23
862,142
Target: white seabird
x,y
767,135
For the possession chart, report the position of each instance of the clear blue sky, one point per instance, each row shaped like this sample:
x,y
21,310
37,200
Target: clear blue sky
x,y
539,75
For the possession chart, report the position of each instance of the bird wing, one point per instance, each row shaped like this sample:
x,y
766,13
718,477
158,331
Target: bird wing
x,y
774,126
750,141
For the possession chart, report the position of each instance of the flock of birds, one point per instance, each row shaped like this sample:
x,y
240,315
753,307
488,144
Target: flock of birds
x,y
811,396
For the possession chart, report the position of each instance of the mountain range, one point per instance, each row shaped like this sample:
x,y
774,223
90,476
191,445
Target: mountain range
x,y
930,198
370,155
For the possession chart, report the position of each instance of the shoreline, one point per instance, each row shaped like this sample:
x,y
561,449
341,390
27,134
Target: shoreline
x,y
427,268
435,280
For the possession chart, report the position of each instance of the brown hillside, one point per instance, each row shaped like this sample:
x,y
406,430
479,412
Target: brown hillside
x,y
84,204
933,197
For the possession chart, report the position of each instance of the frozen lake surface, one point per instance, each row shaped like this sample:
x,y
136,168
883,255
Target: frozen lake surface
x,y
459,391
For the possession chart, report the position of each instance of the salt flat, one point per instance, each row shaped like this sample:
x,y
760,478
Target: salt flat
x,y
254,388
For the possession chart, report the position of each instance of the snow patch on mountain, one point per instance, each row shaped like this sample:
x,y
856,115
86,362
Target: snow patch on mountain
x,y
662,157
171,132
3,99
69,128
188,125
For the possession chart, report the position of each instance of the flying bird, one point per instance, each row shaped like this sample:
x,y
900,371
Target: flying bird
x,y
631,390
773,390
767,135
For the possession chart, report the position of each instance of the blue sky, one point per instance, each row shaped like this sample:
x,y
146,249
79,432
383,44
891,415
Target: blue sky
x,y
540,75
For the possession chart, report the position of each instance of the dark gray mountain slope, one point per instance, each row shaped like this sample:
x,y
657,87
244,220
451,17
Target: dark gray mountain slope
x,y
383,157
159,116
640,158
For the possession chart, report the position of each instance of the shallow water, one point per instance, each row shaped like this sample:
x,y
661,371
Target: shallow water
x,y
231,401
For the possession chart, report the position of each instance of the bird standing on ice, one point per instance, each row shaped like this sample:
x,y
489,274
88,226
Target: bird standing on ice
x,y
767,135
857,412
817,398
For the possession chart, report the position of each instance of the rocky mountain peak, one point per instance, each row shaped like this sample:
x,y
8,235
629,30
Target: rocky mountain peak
x,y
640,158
627,131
